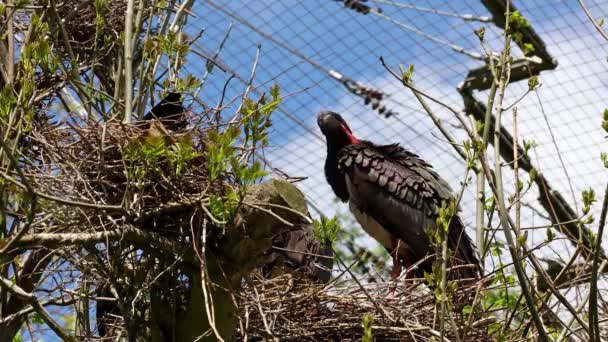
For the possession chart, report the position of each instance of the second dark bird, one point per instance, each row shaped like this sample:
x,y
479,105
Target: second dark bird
x,y
170,111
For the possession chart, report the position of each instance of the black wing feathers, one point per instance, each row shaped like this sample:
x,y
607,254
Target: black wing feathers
x,y
403,193
398,172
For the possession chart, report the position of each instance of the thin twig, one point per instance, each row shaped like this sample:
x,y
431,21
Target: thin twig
x,y
595,23
378,307
268,211
594,331
556,146
48,319
580,307
259,305
517,197
302,215
467,17
249,83
10,38
415,89
499,193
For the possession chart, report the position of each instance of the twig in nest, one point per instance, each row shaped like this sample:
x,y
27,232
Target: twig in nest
x,y
268,211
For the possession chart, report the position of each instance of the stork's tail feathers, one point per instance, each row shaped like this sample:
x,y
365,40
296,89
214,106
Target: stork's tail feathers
x,y
465,264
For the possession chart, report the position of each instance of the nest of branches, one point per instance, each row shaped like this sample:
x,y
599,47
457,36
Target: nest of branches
x,y
85,33
295,311
90,28
142,188
128,172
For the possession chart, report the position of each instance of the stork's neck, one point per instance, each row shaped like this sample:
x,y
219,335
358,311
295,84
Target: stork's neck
x,y
335,178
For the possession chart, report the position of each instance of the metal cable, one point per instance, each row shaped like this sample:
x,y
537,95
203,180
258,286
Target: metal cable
x,y
466,17
459,49
352,85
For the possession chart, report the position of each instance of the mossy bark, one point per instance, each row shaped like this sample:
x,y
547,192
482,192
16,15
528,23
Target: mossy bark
x,y
243,249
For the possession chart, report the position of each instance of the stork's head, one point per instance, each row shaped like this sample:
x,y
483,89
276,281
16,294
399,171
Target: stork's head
x,y
336,130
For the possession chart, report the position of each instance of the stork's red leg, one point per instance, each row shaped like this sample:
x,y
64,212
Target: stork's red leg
x,y
396,270
405,263
396,267
400,261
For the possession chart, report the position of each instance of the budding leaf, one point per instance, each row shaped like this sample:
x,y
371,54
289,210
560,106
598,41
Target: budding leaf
x,y
367,321
521,240
588,200
550,235
532,175
528,49
532,83
480,32
406,76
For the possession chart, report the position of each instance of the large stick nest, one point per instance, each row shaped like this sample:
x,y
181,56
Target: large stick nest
x,y
80,21
108,165
293,310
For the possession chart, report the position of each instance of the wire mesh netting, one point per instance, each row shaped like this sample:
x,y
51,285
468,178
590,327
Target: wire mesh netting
x,y
306,46
326,55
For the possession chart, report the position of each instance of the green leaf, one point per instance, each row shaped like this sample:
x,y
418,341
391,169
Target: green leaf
x,y
366,322
187,84
521,240
406,76
37,319
588,200
428,277
479,126
550,235
480,32
7,101
528,144
517,20
496,249
532,175
532,83
528,49
520,185
326,230
275,92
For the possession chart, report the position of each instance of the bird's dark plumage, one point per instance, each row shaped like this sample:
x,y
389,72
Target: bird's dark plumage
x,y
395,196
300,253
170,111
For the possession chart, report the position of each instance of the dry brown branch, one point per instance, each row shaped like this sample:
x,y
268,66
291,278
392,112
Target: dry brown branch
x,y
335,312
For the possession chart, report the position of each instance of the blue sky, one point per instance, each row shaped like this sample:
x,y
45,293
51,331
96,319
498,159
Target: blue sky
x,y
572,96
